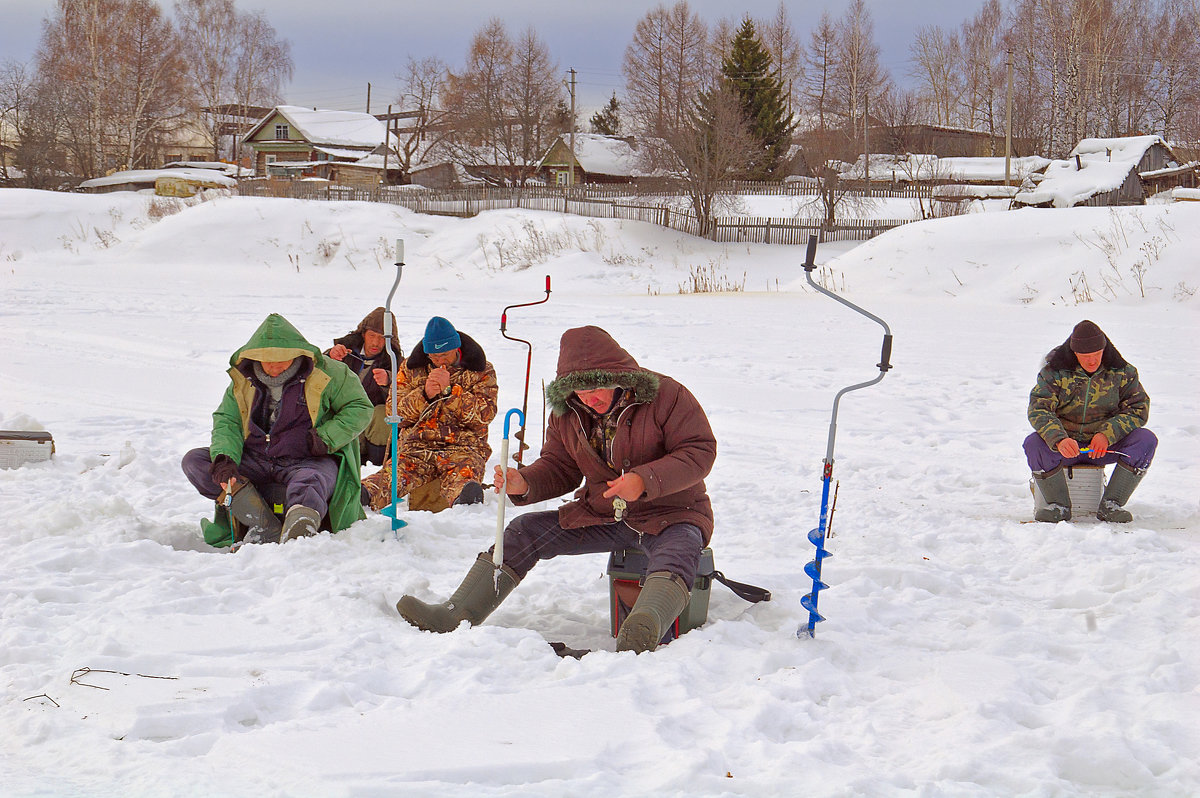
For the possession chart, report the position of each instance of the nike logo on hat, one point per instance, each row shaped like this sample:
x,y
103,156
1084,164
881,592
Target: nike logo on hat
x,y
439,347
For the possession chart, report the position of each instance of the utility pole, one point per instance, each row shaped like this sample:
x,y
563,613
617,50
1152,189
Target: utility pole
x,y
866,141
369,98
571,178
1008,127
386,126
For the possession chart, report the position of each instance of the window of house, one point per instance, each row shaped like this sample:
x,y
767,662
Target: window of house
x,y
561,178
281,132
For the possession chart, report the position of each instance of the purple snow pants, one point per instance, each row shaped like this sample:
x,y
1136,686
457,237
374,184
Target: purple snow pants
x,y
537,536
1138,448
308,481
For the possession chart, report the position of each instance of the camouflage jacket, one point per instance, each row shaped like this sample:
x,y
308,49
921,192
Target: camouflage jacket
x,y
1069,402
457,418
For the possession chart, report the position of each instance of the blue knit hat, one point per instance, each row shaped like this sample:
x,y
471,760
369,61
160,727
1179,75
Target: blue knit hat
x,y
440,336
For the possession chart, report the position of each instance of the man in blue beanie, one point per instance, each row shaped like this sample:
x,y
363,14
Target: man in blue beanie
x,y
445,397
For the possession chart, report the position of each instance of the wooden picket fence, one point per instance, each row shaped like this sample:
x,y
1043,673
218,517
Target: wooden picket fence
x,y
604,202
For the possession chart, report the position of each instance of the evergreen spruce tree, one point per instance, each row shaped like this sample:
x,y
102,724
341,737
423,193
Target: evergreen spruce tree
x,y
607,121
748,70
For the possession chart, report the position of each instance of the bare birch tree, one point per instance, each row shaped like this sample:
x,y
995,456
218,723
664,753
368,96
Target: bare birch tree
x,y
501,105
936,57
209,32
422,82
710,145
665,67
779,37
820,60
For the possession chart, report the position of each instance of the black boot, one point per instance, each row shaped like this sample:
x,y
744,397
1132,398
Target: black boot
x,y
480,593
374,453
1053,486
1120,487
472,493
249,508
662,598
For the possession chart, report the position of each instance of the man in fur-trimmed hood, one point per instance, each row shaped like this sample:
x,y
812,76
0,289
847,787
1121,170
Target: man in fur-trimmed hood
x,y
1088,400
641,445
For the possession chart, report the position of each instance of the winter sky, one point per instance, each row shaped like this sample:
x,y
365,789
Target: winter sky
x,y
339,48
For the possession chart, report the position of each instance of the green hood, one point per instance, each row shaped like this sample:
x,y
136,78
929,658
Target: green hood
x,y
276,340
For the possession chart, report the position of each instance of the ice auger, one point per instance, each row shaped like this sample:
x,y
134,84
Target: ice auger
x,y
817,536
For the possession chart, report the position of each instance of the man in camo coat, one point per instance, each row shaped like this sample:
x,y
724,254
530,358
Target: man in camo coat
x,y
445,397
1088,397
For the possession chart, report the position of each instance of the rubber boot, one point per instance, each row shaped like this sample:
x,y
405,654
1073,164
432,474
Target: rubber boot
x,y
300,522
471,493
248,507
1120,487
479,594
374,453
1053,485
219,531
662,598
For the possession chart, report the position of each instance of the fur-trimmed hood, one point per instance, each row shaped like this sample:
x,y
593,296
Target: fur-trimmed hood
x,y
472,354
1061,358
588,357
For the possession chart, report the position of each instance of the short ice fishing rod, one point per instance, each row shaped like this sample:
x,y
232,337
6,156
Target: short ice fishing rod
x,y
817,536
393,419
528,366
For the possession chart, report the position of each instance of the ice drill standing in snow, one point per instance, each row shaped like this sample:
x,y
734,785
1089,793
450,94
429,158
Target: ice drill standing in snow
x,y
290,416
642,445
1088,397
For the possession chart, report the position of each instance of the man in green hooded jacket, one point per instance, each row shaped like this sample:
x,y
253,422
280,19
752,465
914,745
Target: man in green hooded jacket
x,y
290,416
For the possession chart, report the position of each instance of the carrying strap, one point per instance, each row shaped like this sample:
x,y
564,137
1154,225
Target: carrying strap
x,y
748,592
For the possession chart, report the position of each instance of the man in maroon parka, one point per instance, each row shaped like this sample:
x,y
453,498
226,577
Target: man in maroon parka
x,y
641,445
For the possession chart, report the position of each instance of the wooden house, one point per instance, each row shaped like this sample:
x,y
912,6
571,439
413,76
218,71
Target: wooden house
x,y
291,141
596,159
1107,172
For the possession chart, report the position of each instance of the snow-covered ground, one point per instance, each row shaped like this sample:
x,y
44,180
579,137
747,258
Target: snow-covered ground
x,y
966,652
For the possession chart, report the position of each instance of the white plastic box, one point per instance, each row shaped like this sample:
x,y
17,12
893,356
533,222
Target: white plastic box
x,y
18,448
1085,484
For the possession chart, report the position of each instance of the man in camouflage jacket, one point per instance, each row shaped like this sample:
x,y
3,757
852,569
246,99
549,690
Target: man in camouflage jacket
x,y
1089,398
445,397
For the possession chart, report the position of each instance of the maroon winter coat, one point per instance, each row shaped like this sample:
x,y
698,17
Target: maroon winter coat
x,y
664,437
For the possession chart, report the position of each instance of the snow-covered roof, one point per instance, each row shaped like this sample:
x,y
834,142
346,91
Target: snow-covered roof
x,y
959,191
889,168
990,170
1064,185
229,169
344,128
148,176
604,155
375,161
340,152
1127,148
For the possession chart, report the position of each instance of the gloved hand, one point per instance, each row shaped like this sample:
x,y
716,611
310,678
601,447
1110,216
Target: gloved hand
x,y
316,445
224,469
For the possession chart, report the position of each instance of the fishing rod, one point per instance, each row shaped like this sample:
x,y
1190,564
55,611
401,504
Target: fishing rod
x,y
818,535
528,366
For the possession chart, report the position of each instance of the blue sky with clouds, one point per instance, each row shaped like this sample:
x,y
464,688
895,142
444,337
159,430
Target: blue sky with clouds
x,y
340,47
